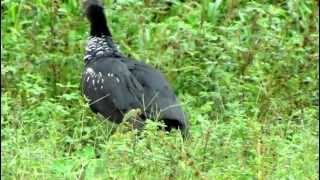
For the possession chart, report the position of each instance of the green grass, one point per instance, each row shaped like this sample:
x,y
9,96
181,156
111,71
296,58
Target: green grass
x,y
246,73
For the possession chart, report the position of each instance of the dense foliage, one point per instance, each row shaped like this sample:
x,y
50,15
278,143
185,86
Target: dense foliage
x,y
246,72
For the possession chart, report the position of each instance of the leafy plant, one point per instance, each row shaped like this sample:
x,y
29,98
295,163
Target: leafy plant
x,y
246,73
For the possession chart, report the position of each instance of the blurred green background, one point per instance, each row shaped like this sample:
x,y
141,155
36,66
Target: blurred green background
x,y
246,72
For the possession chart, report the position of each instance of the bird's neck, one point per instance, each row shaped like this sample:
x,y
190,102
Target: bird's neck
x,y
100,28
100,46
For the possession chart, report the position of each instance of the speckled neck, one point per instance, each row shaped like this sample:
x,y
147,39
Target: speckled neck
x,y
100,46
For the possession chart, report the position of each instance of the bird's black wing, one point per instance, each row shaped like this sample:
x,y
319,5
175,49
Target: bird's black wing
x,y
158,94
110,87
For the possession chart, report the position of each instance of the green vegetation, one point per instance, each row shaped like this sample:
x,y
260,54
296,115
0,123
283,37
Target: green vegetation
x,y
246,72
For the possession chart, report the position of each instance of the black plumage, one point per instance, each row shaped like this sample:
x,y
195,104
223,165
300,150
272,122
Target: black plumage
x,y
114,84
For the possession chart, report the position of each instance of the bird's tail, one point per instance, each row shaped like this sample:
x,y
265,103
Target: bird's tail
x,y
95,13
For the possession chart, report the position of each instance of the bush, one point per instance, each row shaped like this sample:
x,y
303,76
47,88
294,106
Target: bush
x,y
245,71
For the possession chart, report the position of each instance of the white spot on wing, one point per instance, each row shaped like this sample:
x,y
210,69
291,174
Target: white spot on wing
x,y
99,48
118,80
90,71
93,82
87,56
88,78
99,53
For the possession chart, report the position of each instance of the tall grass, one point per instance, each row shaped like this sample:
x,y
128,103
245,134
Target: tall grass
x,y
246,72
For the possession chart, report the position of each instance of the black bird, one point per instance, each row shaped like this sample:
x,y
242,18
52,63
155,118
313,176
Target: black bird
x,y
113,84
